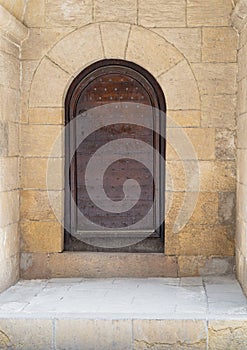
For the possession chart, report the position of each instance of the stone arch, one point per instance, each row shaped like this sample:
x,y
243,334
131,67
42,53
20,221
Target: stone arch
x,y
93,42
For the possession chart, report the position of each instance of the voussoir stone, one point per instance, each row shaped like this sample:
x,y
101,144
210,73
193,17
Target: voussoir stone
x,y
186,40
151,51
78,49
180,87
46,91
114,37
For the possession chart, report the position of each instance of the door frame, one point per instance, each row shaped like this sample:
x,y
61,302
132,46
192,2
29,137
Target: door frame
x,y
69,240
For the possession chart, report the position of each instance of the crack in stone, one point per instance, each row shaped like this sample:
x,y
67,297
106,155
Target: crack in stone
x,y
4,340
227,329
153,345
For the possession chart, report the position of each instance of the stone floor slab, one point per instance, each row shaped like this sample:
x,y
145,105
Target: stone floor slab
x,y
122,313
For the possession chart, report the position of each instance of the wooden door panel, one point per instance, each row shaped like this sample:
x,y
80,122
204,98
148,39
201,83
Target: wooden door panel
x,y
100,88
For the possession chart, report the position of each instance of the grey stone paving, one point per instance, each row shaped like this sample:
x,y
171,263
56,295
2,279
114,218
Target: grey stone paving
x,y
152,298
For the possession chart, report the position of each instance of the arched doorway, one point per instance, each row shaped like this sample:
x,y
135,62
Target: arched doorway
x,y
101,87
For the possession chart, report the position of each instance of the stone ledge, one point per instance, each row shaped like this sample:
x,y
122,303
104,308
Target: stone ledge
x,y
107,265
97,265
11,27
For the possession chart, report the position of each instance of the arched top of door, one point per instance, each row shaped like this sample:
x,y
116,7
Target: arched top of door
x,y
112,80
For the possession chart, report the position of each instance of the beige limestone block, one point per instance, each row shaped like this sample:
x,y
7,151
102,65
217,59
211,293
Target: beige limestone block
x,y
238,15
35,173
175,175
241,131
244,280
184,118
115,10
11,27
180,173
241,267
201,233
18,9
38,140
171,153
163,13
242,96
171,239
48,85
15,7
216,78
242,166
241,226
187,40
180,88
151,51
208,13
8,47
9,104
219,111
40,40
4,135
9,71
227,208
35,205
207,176
35,13
94,334
46,116
241,203
225,144
227,334
9,272
38,236
9,173
30,333
202,139
7,4
204,266
78,49
218,176
13,139
9,202
73,13
242,54
9,241
219,45
114,37
243,37
28,70
240,239
177,334
205,212
206,241
189,265
96,265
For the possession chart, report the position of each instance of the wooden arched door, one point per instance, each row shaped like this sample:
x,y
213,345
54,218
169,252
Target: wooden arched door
x,y
108,84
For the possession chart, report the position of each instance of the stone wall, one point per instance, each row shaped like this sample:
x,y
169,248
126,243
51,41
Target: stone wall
x,y
240,22
12,34
191,49
15,7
